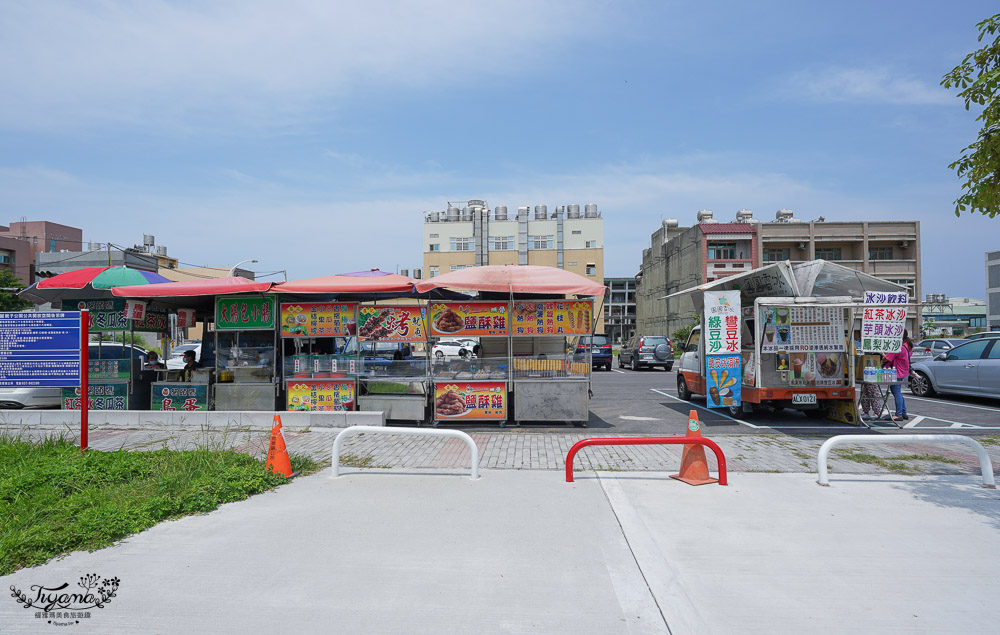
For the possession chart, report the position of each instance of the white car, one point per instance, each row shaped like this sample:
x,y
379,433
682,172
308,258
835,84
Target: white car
x,y
176,361
447,348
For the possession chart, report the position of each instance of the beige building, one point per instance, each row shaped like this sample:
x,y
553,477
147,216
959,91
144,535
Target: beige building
x,y
683,257
473,235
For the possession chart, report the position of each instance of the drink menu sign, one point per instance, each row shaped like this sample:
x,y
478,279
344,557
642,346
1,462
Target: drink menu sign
x,y
722,346
882,326
318,319
803,328
244,313
392,323
469,318
552,317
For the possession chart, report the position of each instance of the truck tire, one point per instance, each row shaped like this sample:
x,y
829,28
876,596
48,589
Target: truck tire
x,y
682,388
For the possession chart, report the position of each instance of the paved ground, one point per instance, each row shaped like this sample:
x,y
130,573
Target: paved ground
x,y
522,551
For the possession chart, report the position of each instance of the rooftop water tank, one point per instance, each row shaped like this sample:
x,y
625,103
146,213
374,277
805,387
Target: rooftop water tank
x,y
500,212
744,216
706,216
541,212
590,210
466,213
669,223
784,215
452,213
573,211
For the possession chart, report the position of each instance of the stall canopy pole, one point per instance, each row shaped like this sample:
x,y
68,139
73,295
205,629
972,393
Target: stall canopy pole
x,y
84,379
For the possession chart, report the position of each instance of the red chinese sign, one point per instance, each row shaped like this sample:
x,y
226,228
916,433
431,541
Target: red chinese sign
x,y
392,323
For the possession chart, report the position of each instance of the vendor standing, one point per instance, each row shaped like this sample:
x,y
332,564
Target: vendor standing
x,y
190,365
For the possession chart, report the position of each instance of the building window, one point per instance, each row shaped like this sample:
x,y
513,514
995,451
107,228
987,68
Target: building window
x,y
503,243
591,244
828,253
721,251
909,284
5,259
540,242
577,232
777,255
457,267
434,235
461,244
434,247
880,253
591,269
434,270
571,264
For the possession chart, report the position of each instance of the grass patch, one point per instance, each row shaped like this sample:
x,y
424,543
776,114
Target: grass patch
x,y
863,457
54,500
989,440
937,458
352,460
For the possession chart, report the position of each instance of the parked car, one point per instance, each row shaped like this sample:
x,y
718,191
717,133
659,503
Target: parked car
x,y
933,347
47,397
600,350
647,350
979,336
971,369
176,361
449,348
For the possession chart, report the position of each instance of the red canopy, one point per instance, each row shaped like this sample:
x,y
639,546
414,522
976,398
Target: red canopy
x,y
516,279
208,286
373,281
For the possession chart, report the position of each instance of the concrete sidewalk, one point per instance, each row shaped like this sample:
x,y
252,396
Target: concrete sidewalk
x,y
418,551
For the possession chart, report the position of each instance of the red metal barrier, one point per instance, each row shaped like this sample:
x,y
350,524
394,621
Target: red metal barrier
x,y
719,456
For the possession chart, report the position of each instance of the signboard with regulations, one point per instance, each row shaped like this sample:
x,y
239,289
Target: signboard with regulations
x,y
39,349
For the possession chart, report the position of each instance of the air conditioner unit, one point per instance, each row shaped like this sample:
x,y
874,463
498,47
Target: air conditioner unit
x,y
802,245
904,244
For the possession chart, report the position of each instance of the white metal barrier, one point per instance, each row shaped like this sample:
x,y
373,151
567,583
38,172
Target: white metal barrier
x,y
984,459
473,449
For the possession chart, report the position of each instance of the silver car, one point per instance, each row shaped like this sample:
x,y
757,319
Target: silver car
x,y
969,369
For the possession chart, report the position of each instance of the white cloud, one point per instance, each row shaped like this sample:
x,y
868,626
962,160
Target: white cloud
x,y
258,62
864,85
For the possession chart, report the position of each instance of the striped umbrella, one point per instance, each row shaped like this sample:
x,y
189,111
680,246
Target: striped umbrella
x,y
88,283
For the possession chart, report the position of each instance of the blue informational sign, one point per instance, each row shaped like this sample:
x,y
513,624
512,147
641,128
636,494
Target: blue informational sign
x,y
724,372
39,349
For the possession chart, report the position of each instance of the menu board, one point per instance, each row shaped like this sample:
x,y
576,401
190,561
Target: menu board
x,y
102,397
320,395
244,313
318,319
724,380
803,328
723,360
469,318
392,323
185,397
552,317
814,369
882,326
470,400
108,368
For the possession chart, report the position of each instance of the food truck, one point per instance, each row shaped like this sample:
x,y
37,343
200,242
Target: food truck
x,y
781,336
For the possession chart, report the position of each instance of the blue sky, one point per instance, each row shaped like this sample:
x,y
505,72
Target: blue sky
x,y
312,135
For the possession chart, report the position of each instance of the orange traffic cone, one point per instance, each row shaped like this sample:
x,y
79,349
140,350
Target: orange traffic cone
x,y
694,468
277,455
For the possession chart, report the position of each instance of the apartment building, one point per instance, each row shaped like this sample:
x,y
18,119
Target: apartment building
x,y
993,290
22,241
472,234
683,257
619,308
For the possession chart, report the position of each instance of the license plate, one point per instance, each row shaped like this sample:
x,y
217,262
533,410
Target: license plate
x,y
804,398
646,356
596,350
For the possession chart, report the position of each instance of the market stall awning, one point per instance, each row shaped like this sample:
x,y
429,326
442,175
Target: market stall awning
x,y
89,283
514,279
821,278
373,281
208,286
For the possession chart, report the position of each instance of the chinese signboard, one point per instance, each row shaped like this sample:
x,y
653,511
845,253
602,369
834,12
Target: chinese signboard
x,y
39,349
813,369
469,318
470,400
723,380
770,281
308,319
392,323
185,318
552,317
183,397
722,348
108,368
882,326
244,313
109,315
320,394
109,396
135,310
803,328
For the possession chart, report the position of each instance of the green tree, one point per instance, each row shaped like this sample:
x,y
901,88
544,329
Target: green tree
x,y
979,78
680,336
8,297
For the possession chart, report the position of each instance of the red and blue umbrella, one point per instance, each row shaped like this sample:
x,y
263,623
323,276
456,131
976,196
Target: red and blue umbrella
x,y
88,283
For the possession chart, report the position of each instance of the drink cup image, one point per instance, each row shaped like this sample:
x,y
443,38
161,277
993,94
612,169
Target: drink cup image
x,y
782,316
797,360
769,334
783,333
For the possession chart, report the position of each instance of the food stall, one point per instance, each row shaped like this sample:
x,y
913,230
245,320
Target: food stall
x,y
391,379
522,371
245,347
317,374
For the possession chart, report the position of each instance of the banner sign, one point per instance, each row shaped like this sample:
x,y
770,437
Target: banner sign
x,y
320,394
469,318
39,349
109,315
723,362
110,396
882,326
392,323
185,318
184,397
803,328
815,369
569,317
309,319
723,380
470,400
135,309
244,313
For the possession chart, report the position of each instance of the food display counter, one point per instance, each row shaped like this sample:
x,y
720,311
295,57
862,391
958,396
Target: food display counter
x,y
390,378
317,375
245,344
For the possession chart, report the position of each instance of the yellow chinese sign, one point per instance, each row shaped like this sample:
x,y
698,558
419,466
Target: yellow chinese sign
x,y
470,400
469,318
313,319
320,394
552,317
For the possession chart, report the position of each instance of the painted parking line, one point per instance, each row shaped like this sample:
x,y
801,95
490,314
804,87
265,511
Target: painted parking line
x,y
953,403
951,424
914,422
615,370
751,425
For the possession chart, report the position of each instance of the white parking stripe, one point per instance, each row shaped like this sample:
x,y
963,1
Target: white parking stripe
x,y
914,421
615,370
705,408
953,403
954,424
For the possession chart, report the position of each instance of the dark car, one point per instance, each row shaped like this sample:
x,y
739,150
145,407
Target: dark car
x,y
643,351
600,350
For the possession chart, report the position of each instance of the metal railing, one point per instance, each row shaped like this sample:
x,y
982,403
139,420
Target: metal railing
x,y
985,465
719,456
338,442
